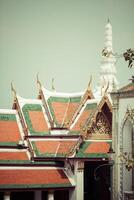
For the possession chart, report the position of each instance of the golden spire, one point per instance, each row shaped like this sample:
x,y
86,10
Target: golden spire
x,y
89,84
103,86
106,90
38,82
53,88
13,90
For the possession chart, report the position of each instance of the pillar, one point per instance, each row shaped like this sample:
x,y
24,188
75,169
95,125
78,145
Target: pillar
x,y
115,142
78,192
50,195
37,195
133,157
7,196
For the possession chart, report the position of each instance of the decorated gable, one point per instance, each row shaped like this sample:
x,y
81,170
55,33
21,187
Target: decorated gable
x,y
100,124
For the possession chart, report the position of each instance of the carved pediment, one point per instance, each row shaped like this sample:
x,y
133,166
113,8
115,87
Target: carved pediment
x,y
100,128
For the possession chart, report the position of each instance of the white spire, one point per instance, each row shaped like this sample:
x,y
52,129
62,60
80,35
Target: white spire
x,y
108,70
108,37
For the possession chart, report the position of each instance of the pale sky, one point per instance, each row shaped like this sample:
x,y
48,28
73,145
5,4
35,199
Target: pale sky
x,y
61,39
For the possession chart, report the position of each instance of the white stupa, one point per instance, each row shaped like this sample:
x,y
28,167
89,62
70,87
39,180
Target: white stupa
x,y
108,71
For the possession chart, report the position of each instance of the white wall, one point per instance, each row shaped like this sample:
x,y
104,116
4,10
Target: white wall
x,y
127,147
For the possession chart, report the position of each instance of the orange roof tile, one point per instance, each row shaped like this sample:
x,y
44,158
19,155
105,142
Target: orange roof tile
x,y
41,177
97,147
60,109
71,109
38,121
13,156
9,131
82,119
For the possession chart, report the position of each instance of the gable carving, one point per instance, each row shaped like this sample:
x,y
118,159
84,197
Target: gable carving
x,y
100,128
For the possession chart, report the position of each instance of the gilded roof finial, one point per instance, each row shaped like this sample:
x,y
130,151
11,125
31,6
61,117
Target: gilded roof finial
x,y
113,86
106,90
38,82
53,88
89,84
13,90
103,86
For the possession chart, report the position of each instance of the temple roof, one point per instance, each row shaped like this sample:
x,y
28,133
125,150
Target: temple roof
x,y
31,177
39,135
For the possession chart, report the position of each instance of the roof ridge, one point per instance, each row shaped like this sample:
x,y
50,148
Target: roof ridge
x,y
83,101
126,86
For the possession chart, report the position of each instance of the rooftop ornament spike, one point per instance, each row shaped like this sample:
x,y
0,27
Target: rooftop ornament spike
x,y
106,90
114,89
13,90
38,82
53,87
89,84
103,86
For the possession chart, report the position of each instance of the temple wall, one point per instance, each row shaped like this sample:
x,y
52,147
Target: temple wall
x,y
122,133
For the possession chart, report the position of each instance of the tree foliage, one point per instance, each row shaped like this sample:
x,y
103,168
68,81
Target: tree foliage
x,y
127,160
129,57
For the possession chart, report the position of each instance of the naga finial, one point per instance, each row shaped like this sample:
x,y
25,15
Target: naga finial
x,y
53,87
38,82
89,84
13,90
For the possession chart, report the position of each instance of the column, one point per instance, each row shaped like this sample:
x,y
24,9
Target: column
x,y
37,195
115,142
7,196
50,195
78,192
133,157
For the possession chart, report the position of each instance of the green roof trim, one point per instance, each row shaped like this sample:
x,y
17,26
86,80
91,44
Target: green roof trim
x,y
32,107
51,163
14,161
53,114
74,133
39,133
64,99
27,186
91,106
7,117
13,144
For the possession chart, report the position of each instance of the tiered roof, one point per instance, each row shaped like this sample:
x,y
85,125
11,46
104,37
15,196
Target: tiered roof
x,y
47,131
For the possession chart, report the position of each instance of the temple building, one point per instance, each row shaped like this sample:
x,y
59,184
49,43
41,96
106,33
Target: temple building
x,y
50,146
59,145
123,142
